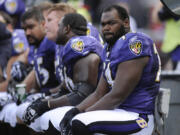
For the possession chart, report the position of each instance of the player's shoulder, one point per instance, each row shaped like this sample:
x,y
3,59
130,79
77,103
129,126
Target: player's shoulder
x,y
18,31
80,42
80,46
19,34
75,43
13,7
19,41
85,38
132,38
133,44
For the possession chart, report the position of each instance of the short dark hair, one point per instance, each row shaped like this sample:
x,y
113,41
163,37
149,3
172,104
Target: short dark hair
x,y
77,23
122,12
34,13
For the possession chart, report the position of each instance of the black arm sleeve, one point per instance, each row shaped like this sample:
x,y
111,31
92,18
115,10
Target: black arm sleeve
x,y
81,91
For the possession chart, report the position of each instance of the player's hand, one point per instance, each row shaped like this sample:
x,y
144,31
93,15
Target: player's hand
x,y
65,123
34,110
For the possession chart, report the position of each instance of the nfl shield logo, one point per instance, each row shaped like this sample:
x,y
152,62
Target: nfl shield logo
x,y
136,47
78,46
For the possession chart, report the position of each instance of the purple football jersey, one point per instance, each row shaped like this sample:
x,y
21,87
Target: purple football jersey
x,y
92,31
133,46
15,8
44,57
58,62
76,48
19,42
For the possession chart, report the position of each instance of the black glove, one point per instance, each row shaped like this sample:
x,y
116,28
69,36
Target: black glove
x,y
34,110
65,123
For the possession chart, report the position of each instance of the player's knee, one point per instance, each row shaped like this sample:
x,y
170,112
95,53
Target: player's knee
x,y
79,128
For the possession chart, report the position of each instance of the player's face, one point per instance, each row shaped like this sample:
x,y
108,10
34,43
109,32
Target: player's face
x,y
112,26
51,24
61,34
34,31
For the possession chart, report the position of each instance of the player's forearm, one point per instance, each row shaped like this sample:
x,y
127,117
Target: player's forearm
x,y
4,85
108,102
90,100
1,75
59,102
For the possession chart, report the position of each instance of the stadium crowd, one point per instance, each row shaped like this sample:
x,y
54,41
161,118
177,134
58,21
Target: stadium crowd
x,y
60,73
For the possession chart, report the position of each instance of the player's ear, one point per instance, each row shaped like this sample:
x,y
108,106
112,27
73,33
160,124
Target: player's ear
x,y
67,29
43,23
126,24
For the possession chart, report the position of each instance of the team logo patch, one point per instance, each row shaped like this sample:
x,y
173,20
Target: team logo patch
x,y
11,6
142,123
136,47
19,47
78,46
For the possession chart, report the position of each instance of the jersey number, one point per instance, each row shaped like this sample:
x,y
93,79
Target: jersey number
x,y
42,71
108,74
